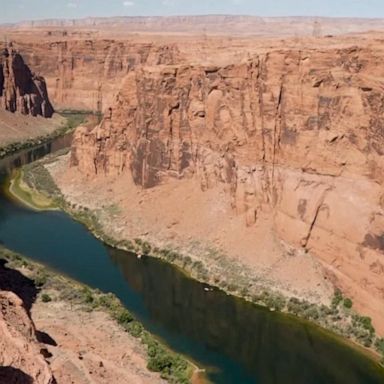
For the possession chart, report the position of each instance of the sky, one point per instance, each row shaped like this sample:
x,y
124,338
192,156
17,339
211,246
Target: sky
x,y
18,10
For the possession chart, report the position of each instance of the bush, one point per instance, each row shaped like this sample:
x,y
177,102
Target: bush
x,y
337,298
135,328
170,365
107,301
45,298
123,317
41,279
366,323
88,297
347,303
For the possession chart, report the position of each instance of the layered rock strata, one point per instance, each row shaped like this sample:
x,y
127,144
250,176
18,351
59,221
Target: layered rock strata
x,y
297,135
86,74
20,89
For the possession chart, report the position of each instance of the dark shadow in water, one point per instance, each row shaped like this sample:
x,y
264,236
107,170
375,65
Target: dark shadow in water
x,y
10,375
274,348
12,280
27,156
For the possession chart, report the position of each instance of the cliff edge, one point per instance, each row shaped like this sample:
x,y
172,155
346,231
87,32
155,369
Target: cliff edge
x,y
20,89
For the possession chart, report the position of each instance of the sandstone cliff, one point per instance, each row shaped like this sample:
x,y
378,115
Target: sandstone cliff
x,y
21,360
87,73
293,134
20,89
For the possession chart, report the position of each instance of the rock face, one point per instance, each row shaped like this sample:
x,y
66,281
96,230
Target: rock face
x,y
296,134
20,357
20,89
87,74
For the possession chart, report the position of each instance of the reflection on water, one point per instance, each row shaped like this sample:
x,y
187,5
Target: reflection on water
x,y
29,155
272,347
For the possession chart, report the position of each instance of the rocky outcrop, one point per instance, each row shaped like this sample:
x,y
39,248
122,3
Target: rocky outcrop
x,y
20,89
21,360
293,134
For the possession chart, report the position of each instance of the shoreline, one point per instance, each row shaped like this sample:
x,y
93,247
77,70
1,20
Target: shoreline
x,y
144,248
73,120
13,182
92,299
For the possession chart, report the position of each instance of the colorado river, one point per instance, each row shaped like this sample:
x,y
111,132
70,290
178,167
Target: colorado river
x,y
237,342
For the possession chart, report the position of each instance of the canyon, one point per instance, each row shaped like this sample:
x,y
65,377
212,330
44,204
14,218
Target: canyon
x,y
267,148
292,137
28,353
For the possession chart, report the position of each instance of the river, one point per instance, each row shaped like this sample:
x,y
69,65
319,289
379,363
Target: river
x,y
235,341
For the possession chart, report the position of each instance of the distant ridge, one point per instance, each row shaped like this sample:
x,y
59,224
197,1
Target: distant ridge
x,y
221,24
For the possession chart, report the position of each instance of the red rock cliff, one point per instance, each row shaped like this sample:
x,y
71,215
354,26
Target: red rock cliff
x,y
87,74
293,134
21,360
20,89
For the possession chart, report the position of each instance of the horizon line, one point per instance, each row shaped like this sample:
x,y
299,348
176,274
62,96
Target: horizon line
x,y
191,15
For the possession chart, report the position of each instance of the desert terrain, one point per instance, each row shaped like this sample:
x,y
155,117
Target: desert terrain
x,y
276,139
250,145
286,131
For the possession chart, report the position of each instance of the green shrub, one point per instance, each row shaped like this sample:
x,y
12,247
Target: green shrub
x,y
134,328
366,322
123,317
107,301
41,279
337,298
347,303
45,298
88,297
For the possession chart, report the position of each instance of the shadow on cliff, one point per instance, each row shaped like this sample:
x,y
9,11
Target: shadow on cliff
x,y
16,282
26,289
10,375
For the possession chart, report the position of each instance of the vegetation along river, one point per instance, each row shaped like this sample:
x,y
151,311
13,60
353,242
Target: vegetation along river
x,y
237,342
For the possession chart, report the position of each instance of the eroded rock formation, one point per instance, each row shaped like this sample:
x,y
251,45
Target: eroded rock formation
x,y
296,134
87,74
21,360
20,89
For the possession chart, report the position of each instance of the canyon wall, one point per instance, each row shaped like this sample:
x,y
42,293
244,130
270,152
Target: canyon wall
x,y
20,89
87,73
292,134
